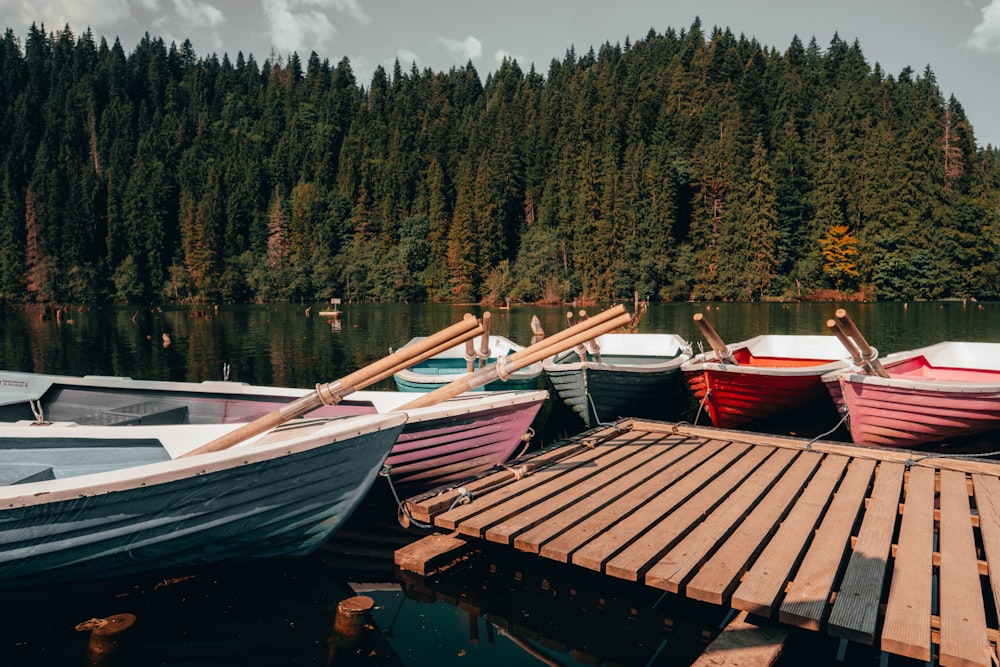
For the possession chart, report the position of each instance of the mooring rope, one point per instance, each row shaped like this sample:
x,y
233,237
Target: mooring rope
x,y
400,505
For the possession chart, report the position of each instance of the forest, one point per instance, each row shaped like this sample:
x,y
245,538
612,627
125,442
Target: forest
x,y
687,165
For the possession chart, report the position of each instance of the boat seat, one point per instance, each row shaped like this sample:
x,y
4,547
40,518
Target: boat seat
x,y
147,412
66,456
22,473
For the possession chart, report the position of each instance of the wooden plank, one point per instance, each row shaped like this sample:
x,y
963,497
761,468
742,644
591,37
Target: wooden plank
x,y
855,612
987,494
424,555
451,518
632,562
593,541
427,505
963,618
658,489
806,601
743,644
593,493
909,457
720,575
906,629
652,475
765,581
677,565
531,506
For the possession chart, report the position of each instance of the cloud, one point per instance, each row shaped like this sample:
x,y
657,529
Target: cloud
x,y
99,15
189,19
406,56
304,25
986,36
500,55
468,49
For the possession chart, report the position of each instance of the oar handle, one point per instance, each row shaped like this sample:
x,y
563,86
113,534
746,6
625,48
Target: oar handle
x,y
846,341
484,345
333,392
578,334
592,347
869,355
714,340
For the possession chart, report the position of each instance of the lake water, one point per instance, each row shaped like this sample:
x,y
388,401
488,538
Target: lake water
x,y
492,609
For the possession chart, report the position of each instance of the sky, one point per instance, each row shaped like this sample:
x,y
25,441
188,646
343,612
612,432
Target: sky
x,y
958,39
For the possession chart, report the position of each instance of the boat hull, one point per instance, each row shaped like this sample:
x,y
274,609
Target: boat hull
x,y
452,364
283,495
774,374
636,375
935,393
434,452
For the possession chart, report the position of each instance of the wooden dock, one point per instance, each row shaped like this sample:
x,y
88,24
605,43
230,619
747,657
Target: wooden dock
x,y
883,547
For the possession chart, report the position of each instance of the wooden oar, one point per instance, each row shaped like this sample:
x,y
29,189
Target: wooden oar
x,y
592,347
714,340
333,392
484,345
581,350
867,353
609,320
470,355
847,342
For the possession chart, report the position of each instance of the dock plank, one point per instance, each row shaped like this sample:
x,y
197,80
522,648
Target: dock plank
x,y
537,525
964,640
605,540
527,510
716,580
987,494
855,612
906,628
641,482
806,602
760,591
632,562
678,564
461,514
764,523
617,514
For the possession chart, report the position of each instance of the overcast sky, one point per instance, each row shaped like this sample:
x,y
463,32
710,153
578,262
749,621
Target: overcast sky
x,y
959,39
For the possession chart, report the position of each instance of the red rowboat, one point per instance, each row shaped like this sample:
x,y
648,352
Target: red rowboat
x,y
772,374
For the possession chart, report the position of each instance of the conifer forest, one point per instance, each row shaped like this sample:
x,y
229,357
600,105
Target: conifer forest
x,y
690,164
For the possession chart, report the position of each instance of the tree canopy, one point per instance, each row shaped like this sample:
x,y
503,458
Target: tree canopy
x,y
685,165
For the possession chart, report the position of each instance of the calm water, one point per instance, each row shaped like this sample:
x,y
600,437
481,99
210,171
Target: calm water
x,y
494,609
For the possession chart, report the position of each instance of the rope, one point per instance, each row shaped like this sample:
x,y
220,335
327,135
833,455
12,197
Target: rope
x,y
701,405
400,506
519,472
528,436
463,498
501,365
823,435
36,409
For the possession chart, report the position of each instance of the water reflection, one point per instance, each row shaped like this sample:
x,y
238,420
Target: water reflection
x,y
281,612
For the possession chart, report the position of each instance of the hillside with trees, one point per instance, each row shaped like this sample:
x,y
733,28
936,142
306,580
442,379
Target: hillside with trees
x,y
690,164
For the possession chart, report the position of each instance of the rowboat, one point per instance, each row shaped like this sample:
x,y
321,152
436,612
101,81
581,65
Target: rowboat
x,y
440,443
625,375
932,394
767,375
81,502
455,362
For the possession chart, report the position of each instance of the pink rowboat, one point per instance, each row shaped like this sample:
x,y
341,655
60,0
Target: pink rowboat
x,y
932,394
772,374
